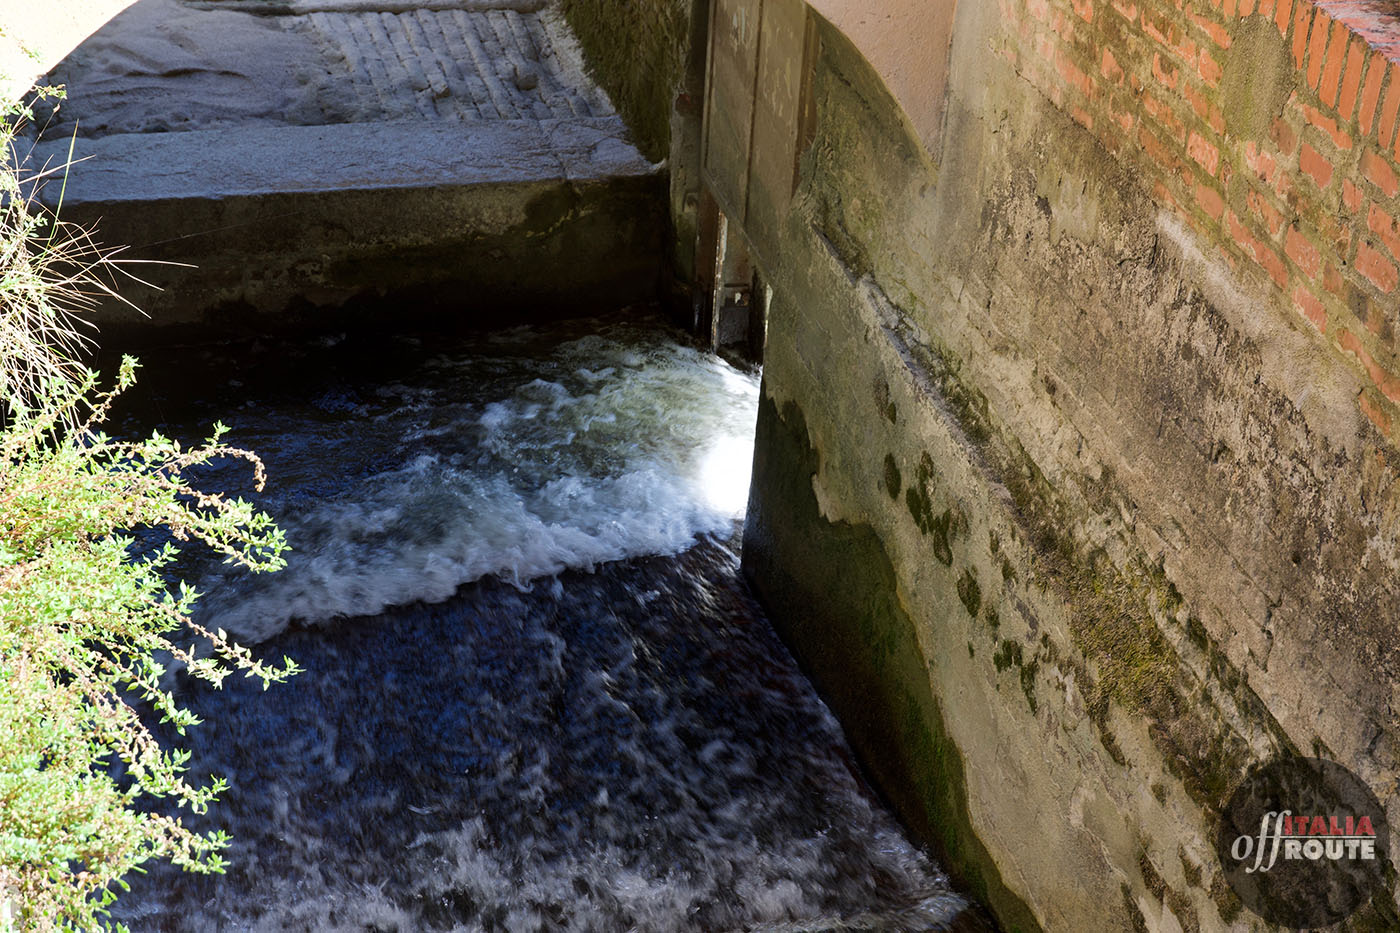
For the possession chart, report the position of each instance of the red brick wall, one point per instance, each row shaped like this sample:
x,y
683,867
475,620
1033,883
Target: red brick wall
x,y
1314,205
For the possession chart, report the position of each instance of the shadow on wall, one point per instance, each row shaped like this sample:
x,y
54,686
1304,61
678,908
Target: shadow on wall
x,y
907,43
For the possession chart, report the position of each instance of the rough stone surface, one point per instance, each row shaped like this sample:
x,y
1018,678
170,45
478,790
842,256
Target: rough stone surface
x,y
223,163
34,36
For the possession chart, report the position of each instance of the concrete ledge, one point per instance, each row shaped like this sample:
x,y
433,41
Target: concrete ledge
x,y
533,218
263,160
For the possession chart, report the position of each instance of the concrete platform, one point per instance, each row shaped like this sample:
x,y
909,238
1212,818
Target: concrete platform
x,y
447,157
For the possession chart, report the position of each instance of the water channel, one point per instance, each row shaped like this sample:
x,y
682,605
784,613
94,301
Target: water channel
x,y
537,693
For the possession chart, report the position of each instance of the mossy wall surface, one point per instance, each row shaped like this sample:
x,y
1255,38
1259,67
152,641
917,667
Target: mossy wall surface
x,y
1068,530
851,632
637,51
649,55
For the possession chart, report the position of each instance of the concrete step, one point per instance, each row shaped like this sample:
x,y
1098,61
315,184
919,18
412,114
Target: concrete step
x,y
490,222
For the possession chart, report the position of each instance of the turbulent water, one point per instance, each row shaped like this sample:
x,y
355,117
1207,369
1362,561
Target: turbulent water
x,y
537,694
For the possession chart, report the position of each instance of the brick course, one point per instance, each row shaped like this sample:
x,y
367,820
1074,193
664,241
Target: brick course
x,y
1314,205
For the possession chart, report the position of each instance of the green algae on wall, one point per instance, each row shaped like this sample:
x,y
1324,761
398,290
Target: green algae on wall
x,y
636,52
832,592
1081,386
861,153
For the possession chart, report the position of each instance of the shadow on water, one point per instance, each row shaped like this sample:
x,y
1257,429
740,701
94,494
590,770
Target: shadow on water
x,y
626,747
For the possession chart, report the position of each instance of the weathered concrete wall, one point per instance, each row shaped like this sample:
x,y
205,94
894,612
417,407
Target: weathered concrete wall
x,y
1268,126
637,52
649,55
1064,503
906,42
1075,480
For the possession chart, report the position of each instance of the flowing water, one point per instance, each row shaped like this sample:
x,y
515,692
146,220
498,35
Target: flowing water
x,y
537,695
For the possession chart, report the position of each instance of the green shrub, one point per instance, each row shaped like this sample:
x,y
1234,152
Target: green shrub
x,y
88,631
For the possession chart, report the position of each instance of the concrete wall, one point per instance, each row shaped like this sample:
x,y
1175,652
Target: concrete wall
x,y
1075,480
649,55
637,51
529,221
1067,498
1268,127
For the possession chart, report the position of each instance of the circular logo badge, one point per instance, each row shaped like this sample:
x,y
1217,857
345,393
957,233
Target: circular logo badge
x,y
1303,842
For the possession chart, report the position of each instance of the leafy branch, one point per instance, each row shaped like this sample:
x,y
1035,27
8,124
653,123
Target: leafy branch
x,y
88,632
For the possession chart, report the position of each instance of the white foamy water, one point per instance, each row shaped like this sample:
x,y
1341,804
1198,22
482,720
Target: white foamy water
x,y
613,445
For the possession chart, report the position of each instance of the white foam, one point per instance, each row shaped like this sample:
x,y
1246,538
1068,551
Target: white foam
x,y
601,451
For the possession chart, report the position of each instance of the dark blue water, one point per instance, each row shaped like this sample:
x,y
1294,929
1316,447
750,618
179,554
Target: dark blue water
x,y
578,720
